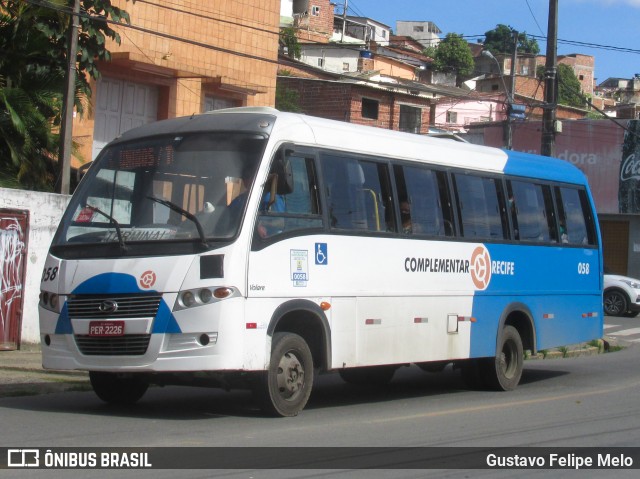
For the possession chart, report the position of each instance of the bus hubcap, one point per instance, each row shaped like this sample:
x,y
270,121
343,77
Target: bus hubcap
x,y
290,375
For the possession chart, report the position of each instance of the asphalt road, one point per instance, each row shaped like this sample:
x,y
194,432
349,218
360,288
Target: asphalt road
x,y
585,401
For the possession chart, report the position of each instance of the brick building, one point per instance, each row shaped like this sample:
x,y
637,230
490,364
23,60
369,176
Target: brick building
x,y
179,61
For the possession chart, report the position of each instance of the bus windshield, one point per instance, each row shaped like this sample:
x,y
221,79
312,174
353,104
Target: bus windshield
x,y
139,195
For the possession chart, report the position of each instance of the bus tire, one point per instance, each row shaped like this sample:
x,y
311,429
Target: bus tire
x,y
115,388
284,389
503,372
368,376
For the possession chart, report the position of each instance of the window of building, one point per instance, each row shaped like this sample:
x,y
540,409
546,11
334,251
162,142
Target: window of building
x,y
418,29
320,62
315,10
452,117
217,103
410,119
370,108
345,66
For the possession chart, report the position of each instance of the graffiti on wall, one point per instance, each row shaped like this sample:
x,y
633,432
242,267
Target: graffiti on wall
x,y
12,249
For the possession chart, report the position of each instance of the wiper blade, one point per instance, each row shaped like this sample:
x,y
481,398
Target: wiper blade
x,y
113,221
186,214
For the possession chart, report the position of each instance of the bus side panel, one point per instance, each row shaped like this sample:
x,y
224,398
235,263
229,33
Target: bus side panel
x,y
559,287
393,300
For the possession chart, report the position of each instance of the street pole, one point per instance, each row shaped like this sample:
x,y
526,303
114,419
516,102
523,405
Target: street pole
x,y
344,19
66,128
512,90
548,145
506,123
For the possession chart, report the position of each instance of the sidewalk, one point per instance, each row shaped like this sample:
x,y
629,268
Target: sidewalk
x,y
21,372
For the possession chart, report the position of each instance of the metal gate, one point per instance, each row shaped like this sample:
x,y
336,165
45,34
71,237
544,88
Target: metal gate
x,y
14,227
615,245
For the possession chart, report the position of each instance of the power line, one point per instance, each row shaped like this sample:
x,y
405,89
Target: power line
x,y
534,17
151,32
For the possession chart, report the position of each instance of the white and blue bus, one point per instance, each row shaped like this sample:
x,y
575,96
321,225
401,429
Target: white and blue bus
x,y
254,248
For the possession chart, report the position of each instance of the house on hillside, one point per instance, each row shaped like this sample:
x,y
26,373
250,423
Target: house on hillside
x,y
427,33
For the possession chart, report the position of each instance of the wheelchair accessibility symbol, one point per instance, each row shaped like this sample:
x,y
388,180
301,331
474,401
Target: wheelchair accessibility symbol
x,y
321,253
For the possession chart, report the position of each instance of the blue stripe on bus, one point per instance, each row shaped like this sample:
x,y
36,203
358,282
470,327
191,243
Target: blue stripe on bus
x,y
118,283
544,291
542,167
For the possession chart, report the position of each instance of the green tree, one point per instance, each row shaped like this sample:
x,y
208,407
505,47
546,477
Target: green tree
x,y
569,87
290,41
287,99
453,54
33,62
500,40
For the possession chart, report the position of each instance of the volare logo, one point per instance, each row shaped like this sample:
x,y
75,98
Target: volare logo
x,y
481,267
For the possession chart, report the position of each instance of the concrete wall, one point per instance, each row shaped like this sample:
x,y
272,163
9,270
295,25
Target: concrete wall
x,y
45,211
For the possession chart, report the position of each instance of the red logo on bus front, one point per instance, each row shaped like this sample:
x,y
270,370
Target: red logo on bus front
x,y
481,267
147,279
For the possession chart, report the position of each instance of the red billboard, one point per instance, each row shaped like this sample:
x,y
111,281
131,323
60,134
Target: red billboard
x,y
594,146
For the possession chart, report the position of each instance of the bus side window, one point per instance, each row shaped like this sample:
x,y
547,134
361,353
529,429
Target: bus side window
x,y
531,211
295,204
358,194
421,203
480,207
576,226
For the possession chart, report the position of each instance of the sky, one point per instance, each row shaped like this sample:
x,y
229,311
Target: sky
x,y
610,25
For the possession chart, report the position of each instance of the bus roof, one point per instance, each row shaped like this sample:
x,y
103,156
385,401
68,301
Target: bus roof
x,y
314,131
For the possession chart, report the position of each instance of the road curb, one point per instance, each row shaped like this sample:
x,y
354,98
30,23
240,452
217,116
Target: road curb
x,y
21,373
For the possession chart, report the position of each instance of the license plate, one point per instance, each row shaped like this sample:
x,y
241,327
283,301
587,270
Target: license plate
x,y
106,328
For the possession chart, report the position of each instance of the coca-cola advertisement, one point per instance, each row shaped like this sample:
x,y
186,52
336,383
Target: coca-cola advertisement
x,y
629,185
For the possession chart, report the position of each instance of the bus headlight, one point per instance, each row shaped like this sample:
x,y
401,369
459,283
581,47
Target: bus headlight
x,y
50,301
205,295
188,299
192,298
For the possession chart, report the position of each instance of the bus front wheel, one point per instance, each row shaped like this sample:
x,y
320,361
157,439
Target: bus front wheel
x,y
284,389
116,388
503,372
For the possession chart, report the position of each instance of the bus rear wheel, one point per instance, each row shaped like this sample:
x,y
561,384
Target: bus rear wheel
x,y
503,372
284,389
116,388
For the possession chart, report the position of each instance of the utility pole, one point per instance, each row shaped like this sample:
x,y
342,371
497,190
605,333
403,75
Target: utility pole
x,y
511,94
344,19
548,145
66,129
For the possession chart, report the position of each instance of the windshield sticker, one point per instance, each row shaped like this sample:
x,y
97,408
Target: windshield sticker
x,y
299,267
